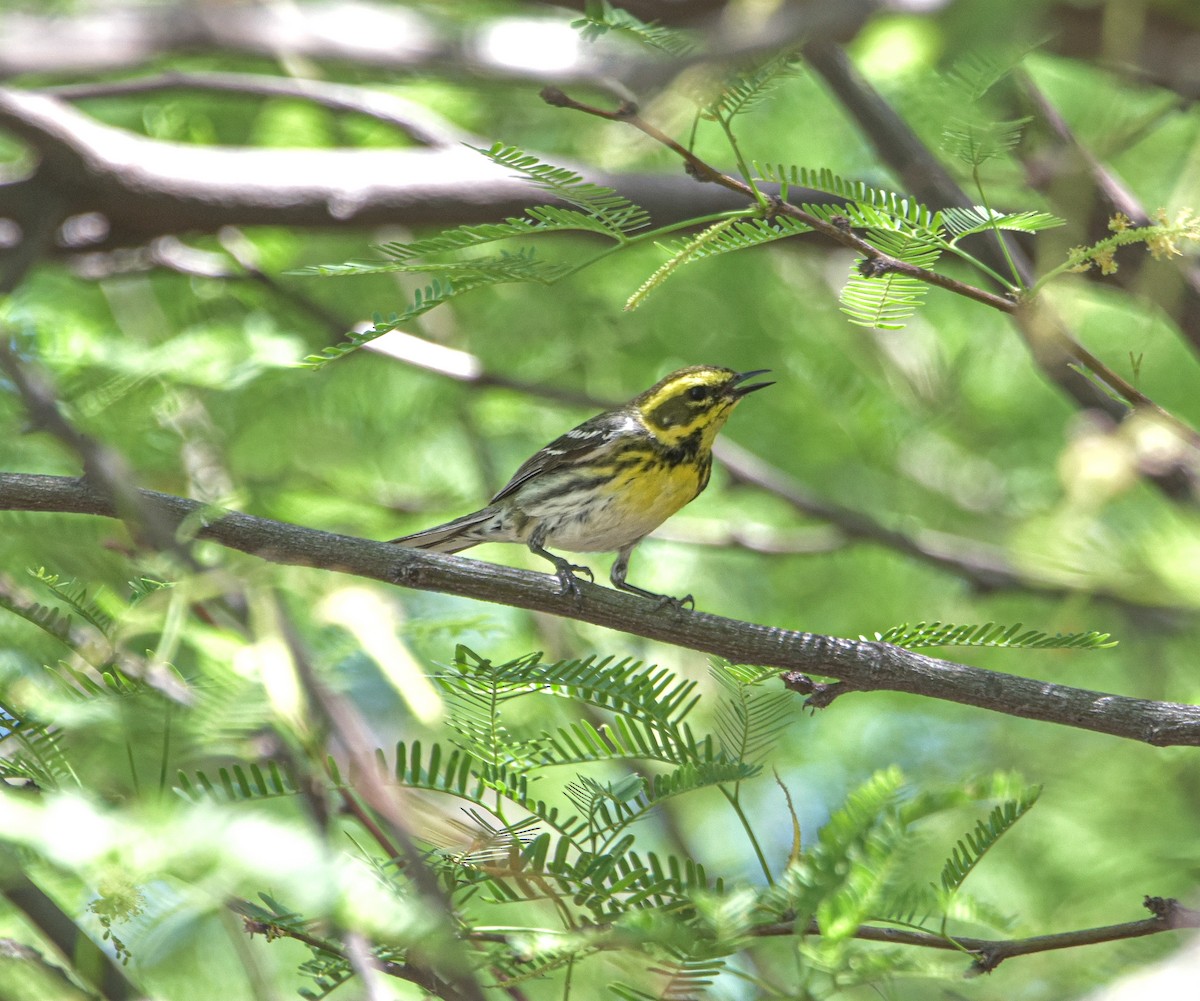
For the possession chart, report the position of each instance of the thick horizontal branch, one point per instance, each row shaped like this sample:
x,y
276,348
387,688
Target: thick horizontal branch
x,y
145,188
861,665
417,122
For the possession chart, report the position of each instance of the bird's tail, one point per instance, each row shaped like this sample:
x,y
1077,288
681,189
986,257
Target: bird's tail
x,y
452,537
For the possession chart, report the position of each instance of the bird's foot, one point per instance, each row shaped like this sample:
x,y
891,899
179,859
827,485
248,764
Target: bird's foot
x,y
568,577
674,604
661,601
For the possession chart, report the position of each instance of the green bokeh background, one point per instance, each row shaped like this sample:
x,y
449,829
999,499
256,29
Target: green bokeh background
x,y
946,426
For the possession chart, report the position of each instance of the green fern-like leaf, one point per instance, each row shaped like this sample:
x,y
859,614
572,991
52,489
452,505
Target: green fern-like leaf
x,y
938,634
842,879
687,978
461,277
51,621
31,751
506,266
141,588
610,808
600,17
609,883
456,773
891,210
615,211
685,253
749,87
583,743
976,73
913,906
433,295
962,222
75,596
537,220
975,142
628,687
741,234
474,696
970,850
747,719
885,302
239,783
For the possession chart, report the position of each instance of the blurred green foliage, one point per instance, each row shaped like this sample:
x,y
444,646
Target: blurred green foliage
x,y
946,426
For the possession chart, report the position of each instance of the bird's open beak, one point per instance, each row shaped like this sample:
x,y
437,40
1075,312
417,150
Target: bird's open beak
x,y
738,391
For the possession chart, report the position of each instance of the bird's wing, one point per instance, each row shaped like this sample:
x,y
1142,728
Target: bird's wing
x,y
577,446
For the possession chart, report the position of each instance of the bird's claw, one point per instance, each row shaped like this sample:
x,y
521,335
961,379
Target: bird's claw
x,y
675,604
568,579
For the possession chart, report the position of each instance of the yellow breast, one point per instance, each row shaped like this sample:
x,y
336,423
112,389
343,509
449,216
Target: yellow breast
x,y
633,501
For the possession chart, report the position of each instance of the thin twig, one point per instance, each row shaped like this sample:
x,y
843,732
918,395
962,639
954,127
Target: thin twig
x,y
881,263
1169,915
866,665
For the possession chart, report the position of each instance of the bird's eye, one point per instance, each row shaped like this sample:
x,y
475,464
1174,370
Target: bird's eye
x,y
698,393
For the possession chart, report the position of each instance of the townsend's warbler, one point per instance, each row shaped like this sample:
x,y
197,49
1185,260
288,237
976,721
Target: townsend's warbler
x,y
611,481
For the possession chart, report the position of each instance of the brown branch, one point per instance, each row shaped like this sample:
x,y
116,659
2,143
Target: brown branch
x,y
865,665
449,976
113,36
254,924
118,35
145,188
1169,915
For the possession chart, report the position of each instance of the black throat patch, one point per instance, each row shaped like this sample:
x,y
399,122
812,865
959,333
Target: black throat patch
x,y
685,450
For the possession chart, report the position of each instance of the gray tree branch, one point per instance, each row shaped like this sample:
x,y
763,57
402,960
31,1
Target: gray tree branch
x,y
859,664
145,188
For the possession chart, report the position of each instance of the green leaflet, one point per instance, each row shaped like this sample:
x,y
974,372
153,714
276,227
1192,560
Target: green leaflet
x,y
938,634
608,208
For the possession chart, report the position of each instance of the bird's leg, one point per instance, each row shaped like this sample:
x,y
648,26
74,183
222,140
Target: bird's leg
x,y
564,570
621,567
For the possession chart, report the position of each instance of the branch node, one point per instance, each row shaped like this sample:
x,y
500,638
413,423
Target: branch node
x,y
1171,912
774,205
877,267
407,575
820,693
986,960
555,97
